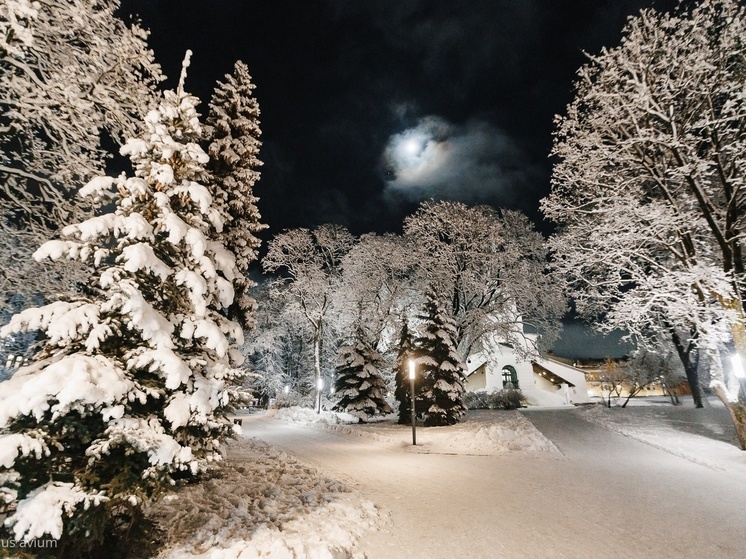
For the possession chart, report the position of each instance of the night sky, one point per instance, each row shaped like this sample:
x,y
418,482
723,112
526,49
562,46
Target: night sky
x,y
369,107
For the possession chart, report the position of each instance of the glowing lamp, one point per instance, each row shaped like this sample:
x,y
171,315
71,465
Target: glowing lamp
x,y
287,388
411,369
737,366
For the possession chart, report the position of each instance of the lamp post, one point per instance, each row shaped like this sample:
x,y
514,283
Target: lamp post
x,y
414,414
319,388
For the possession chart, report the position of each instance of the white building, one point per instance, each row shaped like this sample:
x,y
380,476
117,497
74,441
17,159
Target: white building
x,y
543,381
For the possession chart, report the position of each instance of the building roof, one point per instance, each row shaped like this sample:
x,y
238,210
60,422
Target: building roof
x,y
558,372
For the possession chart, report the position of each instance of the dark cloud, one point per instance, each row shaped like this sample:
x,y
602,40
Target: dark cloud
x,y
474,162
452,50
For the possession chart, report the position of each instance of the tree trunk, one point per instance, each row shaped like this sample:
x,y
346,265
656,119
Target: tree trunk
x,y
736,405
734,402
632,393
671,395
691,369
317,334
737,413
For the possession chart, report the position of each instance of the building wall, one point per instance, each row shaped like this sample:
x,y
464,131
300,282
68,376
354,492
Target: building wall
x,y
477,380
538,389
493,366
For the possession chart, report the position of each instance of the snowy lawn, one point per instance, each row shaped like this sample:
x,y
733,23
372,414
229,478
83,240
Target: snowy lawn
x,y
520,502
703,436
480,432
262,502
266,503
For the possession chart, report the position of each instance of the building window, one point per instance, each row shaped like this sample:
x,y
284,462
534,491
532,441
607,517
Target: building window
x,y
510,376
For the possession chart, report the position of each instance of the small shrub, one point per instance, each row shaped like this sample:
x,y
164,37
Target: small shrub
x,y
477,400
506,399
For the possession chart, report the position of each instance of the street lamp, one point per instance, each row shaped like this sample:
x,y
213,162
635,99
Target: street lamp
x,y
319,388
286,389
411,381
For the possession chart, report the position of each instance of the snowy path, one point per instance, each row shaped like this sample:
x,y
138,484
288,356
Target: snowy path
x,y
606,495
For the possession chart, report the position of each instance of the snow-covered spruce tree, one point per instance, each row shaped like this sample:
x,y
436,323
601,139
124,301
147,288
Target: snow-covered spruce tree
x,y
358,382
233,127
440,365
131,387
403,386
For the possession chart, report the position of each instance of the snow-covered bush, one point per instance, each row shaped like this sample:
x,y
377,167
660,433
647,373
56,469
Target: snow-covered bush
x,y
130,389
505,399
479,400
508,399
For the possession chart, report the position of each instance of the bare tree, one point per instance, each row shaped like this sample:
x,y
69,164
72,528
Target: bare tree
x,y
279,350
645,368
70,72
310,264
376,284
648,190
490,267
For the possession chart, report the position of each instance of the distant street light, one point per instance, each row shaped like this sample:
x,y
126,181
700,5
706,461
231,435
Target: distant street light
x,y
286,389
319,388
411,380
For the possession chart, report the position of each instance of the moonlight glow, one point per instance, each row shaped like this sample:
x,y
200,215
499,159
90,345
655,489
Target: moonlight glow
x,y
413,155
412,146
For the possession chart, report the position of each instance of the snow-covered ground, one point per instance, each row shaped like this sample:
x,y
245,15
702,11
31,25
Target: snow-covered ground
x,y
264,503
481,433
492,486
703,436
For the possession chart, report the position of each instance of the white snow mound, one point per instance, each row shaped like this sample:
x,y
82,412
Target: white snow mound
x,y
261,502
481,432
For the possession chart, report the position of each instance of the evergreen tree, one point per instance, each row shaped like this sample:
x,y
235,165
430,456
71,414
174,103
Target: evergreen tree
x,y
403,392
130,389
441,366
233,128
359,383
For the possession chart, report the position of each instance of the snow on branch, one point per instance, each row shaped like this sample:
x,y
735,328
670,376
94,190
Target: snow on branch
x,y
75,382
21,444
42,511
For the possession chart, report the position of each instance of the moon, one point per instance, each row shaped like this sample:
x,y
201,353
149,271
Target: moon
x,y
416,155
412,146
